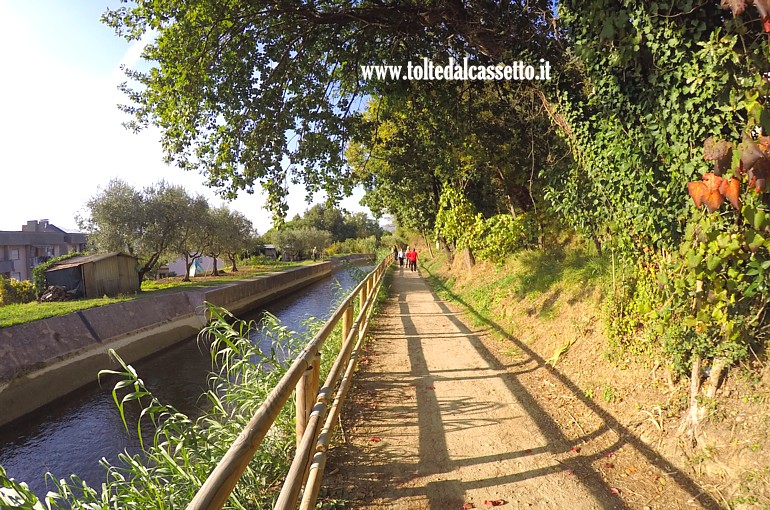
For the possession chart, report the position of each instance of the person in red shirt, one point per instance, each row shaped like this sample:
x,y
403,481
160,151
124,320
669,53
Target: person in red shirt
x,y
412,256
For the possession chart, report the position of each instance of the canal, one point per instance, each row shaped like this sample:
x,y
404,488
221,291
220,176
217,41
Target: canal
x,y
72,435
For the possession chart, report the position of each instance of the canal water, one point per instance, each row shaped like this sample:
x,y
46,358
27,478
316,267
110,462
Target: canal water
x,y
72,435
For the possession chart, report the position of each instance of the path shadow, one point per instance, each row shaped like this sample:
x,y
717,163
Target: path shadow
x,y
557,441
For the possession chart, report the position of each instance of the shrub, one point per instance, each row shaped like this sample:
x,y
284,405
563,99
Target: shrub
x,y
13,291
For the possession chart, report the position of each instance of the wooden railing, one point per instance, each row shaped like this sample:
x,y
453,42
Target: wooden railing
x,y
317,408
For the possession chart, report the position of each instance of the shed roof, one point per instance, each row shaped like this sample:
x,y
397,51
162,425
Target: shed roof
x,y
84,259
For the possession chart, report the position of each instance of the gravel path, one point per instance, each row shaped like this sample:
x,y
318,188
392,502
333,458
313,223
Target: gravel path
x,y
442,424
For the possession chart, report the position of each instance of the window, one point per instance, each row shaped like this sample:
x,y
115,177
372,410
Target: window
x,y
14,254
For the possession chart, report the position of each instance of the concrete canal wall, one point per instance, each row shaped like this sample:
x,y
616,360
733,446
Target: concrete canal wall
x,y
44,360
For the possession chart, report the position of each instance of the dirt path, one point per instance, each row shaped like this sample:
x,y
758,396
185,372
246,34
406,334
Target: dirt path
x,y
438,421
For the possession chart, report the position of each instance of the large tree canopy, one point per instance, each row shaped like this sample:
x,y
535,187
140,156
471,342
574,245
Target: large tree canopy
x,y
257,92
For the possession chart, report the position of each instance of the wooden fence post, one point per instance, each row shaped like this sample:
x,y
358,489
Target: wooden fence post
x,y
307,389
347,322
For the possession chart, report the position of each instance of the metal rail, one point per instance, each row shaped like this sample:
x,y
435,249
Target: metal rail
x,y
314,427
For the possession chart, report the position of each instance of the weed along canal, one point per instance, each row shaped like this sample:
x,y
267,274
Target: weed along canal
x,y
72,435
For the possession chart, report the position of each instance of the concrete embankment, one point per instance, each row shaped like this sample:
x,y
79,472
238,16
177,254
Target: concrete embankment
x,y
46,359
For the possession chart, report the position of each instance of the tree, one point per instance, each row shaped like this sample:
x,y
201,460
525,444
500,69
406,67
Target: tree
x,y
239,88
144,224
339,223
192,238
238,236
293,243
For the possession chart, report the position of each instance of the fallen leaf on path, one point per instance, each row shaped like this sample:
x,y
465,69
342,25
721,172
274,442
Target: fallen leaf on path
x,y
614,490
375,439
574,449
631,470
528,451
494,502
430,388
609,465
468,506
609,454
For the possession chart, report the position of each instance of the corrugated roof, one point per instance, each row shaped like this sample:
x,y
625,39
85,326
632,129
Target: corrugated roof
x,y
84,259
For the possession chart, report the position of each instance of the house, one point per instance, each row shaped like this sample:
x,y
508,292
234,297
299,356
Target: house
x,y
37,242
92,276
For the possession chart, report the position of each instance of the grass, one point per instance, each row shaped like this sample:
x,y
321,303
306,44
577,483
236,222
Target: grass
x,y
526,275
28,312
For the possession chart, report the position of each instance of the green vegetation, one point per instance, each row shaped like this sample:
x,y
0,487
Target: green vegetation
x,y
38,273
28,312
15,292
332,231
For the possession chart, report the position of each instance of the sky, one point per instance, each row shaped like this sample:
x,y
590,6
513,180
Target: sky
x,y
61,133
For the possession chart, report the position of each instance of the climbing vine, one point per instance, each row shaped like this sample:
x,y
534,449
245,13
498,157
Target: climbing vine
x,y
660,77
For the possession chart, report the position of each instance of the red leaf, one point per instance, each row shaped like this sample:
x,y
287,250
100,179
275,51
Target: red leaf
x,y
712,181
574,449
468,506
528,451
494,502
737,6
713,200
609,465
614,490
731,190
375,439
430,388
697,189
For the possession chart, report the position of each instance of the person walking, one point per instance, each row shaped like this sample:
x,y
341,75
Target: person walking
x,y
395,253
315,254
401,258
413,260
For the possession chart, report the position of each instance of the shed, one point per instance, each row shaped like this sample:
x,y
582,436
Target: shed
x,y
93,276
271,251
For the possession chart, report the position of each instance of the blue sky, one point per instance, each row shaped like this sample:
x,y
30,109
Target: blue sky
x,y
61,138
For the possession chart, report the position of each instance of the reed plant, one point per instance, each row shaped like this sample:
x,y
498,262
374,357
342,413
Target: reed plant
x,y
180,452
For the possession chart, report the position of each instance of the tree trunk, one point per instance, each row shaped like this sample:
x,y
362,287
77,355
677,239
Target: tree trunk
x,y
216,271
718,367
444,246
232,261
430,250
186,268
597,244
692,419
470,260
